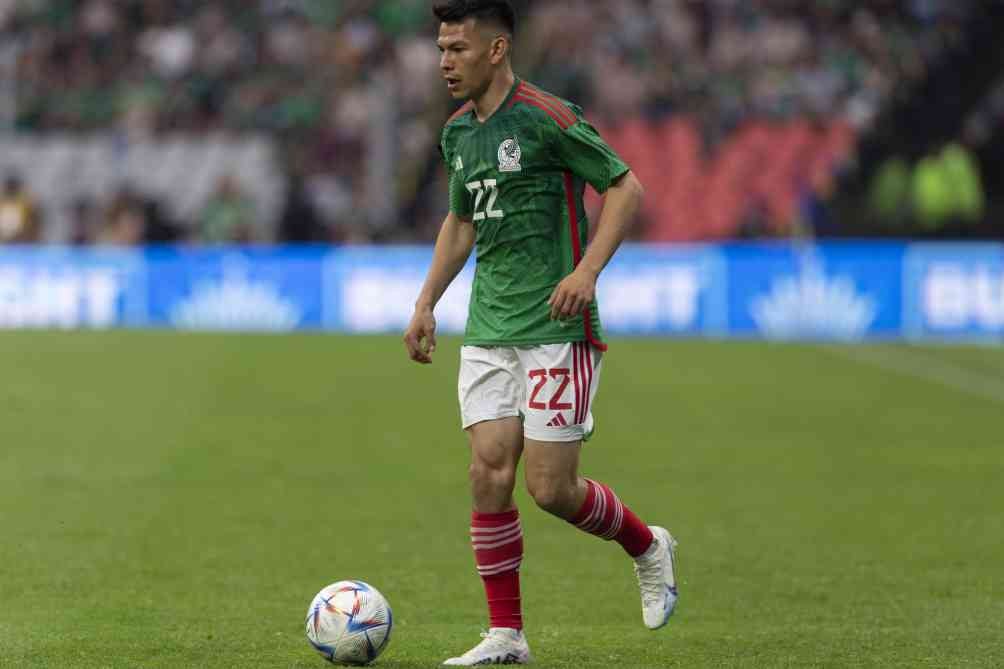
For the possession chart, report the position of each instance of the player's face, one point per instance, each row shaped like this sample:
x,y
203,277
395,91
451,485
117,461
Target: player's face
x,y
467,60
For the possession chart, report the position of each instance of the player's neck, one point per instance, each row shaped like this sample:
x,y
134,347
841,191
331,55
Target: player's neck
x,y
486,104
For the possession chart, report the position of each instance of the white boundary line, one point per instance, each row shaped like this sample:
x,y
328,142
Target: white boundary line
x,y
927,367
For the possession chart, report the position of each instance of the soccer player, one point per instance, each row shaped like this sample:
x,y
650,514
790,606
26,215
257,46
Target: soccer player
x,y
518,159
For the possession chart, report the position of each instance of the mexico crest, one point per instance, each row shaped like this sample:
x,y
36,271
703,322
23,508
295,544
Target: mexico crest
x,y
509,155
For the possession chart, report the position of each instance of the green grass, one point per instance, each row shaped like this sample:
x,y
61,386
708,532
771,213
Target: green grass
x,y
176,500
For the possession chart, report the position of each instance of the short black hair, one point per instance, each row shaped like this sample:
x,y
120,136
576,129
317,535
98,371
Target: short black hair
x,y
497,11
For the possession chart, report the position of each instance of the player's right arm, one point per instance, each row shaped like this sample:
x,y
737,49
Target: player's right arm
x,y
453,246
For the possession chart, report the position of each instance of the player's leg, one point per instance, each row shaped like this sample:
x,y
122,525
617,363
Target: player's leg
x,y
489,399
552,478
496,533
496,446
551,462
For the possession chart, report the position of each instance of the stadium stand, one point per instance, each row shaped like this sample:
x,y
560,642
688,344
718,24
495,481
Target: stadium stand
x,y
745,119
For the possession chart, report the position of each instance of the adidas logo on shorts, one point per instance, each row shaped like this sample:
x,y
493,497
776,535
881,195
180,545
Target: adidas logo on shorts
x,y
557,421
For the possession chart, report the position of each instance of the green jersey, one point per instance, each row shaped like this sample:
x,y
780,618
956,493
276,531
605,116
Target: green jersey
x,y
519,178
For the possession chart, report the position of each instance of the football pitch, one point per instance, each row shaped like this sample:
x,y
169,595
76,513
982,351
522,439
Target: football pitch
x,y
172,500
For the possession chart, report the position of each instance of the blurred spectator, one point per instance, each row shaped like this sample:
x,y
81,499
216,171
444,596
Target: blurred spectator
x,y
946,191
84,222
227,217
125,220
932,194
19,218
962,174
889,197
299,221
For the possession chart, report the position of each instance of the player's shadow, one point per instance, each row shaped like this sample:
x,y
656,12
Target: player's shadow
x,y
379,664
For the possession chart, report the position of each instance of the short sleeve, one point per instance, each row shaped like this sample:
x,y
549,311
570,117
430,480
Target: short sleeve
x,y
460,201
581,149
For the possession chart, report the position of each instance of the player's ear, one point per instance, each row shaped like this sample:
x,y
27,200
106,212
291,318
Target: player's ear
x,y
500,49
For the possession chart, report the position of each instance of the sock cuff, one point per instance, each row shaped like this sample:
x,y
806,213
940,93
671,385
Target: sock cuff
x,y
602,513
587,503
494,519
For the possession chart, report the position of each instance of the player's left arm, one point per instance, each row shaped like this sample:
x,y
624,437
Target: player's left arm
x,y
589,157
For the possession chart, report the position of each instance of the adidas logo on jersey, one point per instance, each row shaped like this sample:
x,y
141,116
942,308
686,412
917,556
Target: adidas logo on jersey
x,y
557,421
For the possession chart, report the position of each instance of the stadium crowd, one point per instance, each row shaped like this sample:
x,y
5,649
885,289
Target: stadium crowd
x,y
698,96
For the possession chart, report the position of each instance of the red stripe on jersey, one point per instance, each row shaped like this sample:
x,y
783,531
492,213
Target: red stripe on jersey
x,y
573,222
540,105
468,106
559,109
573,219
553,102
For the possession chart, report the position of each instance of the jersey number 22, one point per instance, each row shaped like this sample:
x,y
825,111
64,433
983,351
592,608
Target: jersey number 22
x,y
479,189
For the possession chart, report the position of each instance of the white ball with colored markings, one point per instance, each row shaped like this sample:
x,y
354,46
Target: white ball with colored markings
x,y
349,623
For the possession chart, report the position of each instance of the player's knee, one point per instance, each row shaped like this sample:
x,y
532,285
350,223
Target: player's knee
x,y
550,495
484,475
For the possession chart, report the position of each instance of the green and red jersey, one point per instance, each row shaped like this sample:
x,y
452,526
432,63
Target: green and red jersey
x,y
519,179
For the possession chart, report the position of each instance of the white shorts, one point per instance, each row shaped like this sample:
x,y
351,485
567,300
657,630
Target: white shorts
x,y
550,385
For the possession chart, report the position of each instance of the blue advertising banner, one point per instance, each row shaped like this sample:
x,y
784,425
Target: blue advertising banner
x,y
840,291
837,291
644,290
665,290
373,289
59,288
954,292
238,289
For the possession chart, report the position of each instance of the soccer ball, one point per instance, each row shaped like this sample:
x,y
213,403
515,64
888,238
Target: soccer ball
x,y
349,622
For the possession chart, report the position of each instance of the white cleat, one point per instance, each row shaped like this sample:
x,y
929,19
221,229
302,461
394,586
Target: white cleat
x,y
499,645
656,571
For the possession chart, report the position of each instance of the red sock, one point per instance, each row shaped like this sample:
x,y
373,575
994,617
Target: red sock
x,y
497,539
603,515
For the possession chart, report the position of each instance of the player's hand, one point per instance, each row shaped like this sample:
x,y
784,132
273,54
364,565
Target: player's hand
x,y
571,297
420,337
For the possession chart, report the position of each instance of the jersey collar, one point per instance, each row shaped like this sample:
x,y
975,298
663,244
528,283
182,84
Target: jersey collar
x,y
516,81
